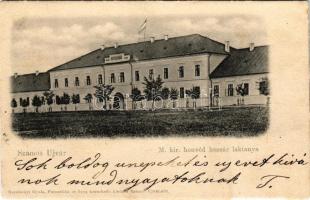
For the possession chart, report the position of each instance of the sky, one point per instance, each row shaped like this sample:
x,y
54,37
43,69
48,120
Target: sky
x,y
41,44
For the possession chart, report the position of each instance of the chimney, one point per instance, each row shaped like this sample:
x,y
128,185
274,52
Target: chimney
x,y
15,75
227,47
102,47
152,39
115,45
166,37
251,46
37,72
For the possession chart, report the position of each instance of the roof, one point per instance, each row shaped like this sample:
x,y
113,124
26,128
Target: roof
x,y
30,82
243,62
177,46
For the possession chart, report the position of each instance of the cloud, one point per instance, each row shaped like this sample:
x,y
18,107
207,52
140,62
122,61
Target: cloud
x,y
50,44
75,34
240,31
55,45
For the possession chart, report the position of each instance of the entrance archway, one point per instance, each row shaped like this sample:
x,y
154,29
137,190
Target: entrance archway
x,y
118,101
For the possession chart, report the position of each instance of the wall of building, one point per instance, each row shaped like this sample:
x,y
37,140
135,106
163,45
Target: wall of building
x,y
215,60
120,87
173,81
254,96
83,89
25,95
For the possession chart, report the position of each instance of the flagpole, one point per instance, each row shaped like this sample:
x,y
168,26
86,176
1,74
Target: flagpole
x,y
143,28
144,33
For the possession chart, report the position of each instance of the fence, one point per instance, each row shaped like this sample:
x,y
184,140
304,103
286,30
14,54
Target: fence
x,y
128,104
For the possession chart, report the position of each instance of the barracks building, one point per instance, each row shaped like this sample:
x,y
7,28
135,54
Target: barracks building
x,y
212,68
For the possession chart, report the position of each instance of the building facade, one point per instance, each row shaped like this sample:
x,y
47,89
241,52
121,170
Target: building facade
x,y
183,63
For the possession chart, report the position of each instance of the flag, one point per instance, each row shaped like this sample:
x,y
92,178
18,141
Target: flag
x,y
143,26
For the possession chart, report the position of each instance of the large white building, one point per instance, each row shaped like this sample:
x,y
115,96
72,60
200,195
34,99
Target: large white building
x,y
193,61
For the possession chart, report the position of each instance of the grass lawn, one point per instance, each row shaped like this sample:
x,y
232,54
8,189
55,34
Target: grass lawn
x,y
245,121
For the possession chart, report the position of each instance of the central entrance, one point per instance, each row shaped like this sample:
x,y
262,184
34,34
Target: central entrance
x,y
118,101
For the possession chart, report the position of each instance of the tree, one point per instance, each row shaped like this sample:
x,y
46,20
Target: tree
x,y
242,91
193,93
88,98
58,100
25,104
152,88
13,104
75,100
42,100
174,93
49,99
135,96
264,86
37,102
165,94
103,93
65,99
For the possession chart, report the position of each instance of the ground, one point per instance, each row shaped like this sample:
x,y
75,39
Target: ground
x,y
237,121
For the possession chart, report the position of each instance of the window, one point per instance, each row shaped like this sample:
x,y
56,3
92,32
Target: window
x,y
117,58
20,101
137,77
112,78
263,87
197,70
151,73
77,82
122,77
66,82
56,83
166,73
88,80
181,71
99,79
230,90
216,90
246,89
182,92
